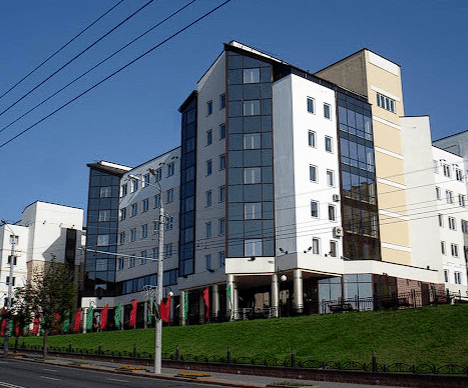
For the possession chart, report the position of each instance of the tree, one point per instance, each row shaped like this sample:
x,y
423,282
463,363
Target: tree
x,y
49,292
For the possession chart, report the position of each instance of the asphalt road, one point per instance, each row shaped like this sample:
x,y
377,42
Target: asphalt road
x,y
21,374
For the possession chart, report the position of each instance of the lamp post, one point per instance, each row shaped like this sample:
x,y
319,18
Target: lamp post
x,y
159,292
10,289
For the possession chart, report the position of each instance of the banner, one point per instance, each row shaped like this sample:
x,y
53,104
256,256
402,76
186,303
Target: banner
x,y
229,300
206,298
186,304
118,315
149,312
89,318
133,313
104,312
17,328
77,325
165,309
2,327
35,329
66,322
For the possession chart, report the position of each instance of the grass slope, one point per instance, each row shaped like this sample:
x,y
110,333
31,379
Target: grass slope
x,y
433,335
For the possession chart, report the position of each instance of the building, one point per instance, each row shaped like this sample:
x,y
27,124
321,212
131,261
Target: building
x,y
292,190
45,232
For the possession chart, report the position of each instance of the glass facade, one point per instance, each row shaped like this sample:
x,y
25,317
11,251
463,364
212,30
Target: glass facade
x,y
103,197
358,180
250,157
188,187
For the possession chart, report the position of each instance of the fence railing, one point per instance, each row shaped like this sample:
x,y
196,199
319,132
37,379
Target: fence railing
x,y
289,362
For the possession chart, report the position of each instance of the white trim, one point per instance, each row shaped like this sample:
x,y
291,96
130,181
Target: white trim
x,y
396,247
393,214
390,153
383,63
391,183
386,122
383,92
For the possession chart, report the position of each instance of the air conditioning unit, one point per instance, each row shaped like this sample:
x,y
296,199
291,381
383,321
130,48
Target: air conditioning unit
x,y
338,231
336,197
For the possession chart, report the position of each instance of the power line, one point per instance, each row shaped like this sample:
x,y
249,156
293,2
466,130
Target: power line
x,y
77,56
60,49
116,72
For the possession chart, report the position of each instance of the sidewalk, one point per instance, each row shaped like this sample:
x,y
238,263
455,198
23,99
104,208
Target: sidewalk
x,y
215,378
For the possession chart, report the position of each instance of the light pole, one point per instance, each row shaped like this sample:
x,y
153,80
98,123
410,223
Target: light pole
x,y
159,292
10,289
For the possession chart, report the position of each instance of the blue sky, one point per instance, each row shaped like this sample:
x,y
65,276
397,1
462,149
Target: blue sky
x,y
133,116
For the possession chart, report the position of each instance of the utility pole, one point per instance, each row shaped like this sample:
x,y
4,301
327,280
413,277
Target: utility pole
x,y
10,289
159,295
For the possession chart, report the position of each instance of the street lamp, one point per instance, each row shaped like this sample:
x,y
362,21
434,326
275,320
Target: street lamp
x,y
159,292
10,289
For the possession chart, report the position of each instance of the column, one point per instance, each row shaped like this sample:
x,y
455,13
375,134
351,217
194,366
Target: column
x,y
146,314
84,320
215,302
230,286
298,292
275,295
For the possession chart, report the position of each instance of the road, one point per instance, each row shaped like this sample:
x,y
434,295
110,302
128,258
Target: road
x,y
21,374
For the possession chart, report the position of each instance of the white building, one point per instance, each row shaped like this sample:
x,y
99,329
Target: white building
x,y
45,232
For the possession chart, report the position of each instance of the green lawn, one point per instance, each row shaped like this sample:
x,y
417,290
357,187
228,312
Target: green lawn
x,y
433,335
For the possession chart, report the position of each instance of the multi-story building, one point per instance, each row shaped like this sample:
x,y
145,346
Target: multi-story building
x,y
45,232
292,192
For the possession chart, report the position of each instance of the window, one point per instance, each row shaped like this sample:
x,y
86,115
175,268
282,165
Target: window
x,y
436,166
312,139
222,226
310,105
146,180
222,162
209,198
452,223
209,108
465,252
253,247
253,211
222,101
316,246
449,195
313,173
102,240
131,262
442,247
251,76
104,215
170,196
143,256
251,141
222,131
133,185
331,213
447,171
155,226
314,208
134,209
208,262
454,248
438,193
122,238
120,264
208,231
459,174
168,250
446,276
123,190
14,239
170,169
327,111
222,194
209,137
8,281
158,174
157,200
385,103
105,192
209,167
252,175
145,205
123,213
169,223
156,253
252,108
328,144
441,220
457,278
144,231
14,260
222,259
133,234
464,226
333,249
461,200
330,178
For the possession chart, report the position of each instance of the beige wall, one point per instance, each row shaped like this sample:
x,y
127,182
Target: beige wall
x,y
387,137
396,256
391,199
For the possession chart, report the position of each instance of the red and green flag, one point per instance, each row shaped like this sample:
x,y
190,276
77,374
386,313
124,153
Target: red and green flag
x,y
104,313
118,315
133,313
77,325
89,318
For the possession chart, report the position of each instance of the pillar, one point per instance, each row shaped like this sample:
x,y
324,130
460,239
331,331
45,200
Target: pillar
x,y
231,305
298,292
275,295
215,302
146,314
183,300
84,320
